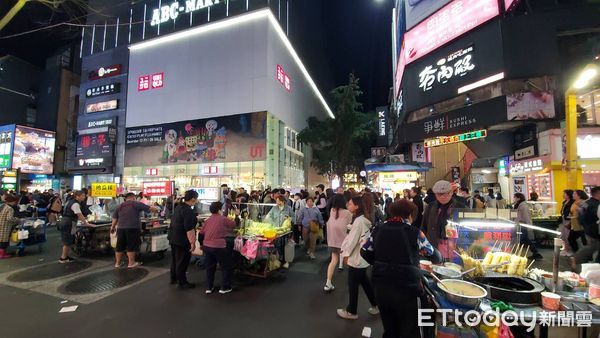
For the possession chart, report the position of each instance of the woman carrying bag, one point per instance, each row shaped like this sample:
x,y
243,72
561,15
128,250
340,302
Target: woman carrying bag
x,y
357,266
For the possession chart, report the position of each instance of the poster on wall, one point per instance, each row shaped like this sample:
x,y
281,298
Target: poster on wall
x,y
33,150
520,186
232,138
530,106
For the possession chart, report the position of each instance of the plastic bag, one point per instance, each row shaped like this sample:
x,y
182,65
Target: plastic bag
x,y
289,252
238,244
113,239
14,237
23,234
250,249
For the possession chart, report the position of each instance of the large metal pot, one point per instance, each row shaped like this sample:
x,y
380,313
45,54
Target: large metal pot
x,y
512,289
446,273
459,299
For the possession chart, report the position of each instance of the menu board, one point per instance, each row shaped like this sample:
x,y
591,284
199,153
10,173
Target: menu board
x,y
33,150
540,184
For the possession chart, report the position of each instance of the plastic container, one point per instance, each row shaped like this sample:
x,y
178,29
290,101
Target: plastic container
x,y
550,301
594,291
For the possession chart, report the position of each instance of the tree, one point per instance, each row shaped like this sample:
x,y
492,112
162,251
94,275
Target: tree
x,y
339,144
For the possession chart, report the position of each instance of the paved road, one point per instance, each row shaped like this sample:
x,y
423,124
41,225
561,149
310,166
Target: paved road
x,y
292,305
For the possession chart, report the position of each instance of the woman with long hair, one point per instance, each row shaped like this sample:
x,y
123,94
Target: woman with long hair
x,y
357,266
564,225
579,197
524,216
500,201
337,226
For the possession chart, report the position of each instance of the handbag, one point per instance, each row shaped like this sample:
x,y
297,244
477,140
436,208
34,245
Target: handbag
x,y
314,227
22,234
14,237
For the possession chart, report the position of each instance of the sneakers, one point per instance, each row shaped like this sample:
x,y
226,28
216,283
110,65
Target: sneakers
x,y
340,268
329,287
224,291
134,265
312,256
346,315
209,291
66,260
374,310
286,265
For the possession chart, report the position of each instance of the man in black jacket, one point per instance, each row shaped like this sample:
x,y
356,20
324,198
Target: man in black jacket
x,y
590,215
415,194
182,237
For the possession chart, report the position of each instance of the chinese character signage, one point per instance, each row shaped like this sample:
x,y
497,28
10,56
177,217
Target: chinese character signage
x,y
231,138
439,75
420,153
378,152
152,172
519,167
107,89
104,190
33,150
283,78
152,81
7,134
450,22
417,10
443,140
161,188
9,179
382,116
104,72
207,194
101,106
94,150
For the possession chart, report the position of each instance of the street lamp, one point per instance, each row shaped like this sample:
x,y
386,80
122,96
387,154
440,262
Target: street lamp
x,y
585,79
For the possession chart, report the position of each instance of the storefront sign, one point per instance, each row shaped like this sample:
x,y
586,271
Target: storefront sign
x,y
475,116
284,78
450,22
91,162
525,153
526,166
382,116
152,81
207,194
588,146
378,151
520,185
530,106
94,150
420,153
443,140
101,106
171,12
108,89
398,177
417,10
6,144
104,190
152,172
9,180
221,139
210,170
104,72
458,65
162,188
33,150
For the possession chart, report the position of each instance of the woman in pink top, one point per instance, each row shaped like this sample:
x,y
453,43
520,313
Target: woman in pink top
x,y
337,228
215,229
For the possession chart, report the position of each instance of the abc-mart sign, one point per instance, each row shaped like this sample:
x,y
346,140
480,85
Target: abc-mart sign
x,y
171,12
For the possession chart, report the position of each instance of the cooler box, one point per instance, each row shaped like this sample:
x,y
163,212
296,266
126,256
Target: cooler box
x,y
159,243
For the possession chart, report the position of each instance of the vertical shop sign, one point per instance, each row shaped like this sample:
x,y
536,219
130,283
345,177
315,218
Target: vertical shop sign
x,y
284,78
456,174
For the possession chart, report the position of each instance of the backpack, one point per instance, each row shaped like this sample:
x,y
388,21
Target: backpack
x,y
55,204
588,213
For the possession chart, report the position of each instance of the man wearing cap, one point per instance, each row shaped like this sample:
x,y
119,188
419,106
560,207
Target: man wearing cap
x,y
437,213
126,222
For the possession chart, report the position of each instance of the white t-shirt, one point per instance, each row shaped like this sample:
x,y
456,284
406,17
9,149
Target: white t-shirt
x,y
76,208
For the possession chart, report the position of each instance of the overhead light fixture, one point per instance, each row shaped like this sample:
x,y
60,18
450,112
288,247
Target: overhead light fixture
x,y
535,227
481,83
226,23
588,73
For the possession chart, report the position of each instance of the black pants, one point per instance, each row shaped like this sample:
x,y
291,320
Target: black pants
x,y
297,229
573,236
356,278
398,309
212,256
527,241
180,260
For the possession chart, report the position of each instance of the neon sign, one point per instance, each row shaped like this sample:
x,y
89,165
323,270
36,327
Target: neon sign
x,y
172,11
443,140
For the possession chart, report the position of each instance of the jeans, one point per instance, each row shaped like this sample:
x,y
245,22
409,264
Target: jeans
x,y
356,278
222,256
398,308
180,260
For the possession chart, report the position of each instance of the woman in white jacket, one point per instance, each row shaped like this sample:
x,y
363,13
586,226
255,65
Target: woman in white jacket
x,y
357,266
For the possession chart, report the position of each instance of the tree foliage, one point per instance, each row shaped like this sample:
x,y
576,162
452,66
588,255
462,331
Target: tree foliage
x,y
339,144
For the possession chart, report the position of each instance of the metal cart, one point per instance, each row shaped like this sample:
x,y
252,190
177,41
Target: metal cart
x,y
36,235
92,237
154,239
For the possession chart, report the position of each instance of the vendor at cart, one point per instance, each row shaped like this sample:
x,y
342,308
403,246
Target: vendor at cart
x,y
72,212
437,213
280,212
7,222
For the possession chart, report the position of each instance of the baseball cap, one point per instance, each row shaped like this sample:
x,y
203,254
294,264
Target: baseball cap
x,y
442,187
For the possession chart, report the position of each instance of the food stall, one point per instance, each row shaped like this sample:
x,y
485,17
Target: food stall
x,y
498,276
95,236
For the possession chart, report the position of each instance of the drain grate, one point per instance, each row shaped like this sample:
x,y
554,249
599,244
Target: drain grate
x,y
49,271
103,281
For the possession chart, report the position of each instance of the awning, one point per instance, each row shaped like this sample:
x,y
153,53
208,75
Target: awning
x,y
384,167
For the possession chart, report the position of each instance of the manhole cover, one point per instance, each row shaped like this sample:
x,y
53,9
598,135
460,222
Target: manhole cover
x,y
103,281
49,271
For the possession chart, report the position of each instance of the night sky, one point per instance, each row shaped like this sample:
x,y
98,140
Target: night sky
x,y
333,37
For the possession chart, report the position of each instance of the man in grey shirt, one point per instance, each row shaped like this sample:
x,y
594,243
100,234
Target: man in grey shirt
x,y
126,222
